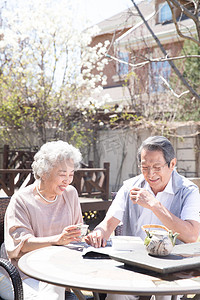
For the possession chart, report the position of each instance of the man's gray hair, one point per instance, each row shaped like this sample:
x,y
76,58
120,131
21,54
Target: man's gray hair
x,y
158,143
52,153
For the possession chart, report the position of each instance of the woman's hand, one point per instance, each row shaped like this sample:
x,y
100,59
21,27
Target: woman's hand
x,y
96,238
69,234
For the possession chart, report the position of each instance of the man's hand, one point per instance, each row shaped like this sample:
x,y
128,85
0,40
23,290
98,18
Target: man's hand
x,y
96,238
143,197
99,236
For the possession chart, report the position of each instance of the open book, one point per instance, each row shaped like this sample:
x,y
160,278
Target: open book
x,y
116,244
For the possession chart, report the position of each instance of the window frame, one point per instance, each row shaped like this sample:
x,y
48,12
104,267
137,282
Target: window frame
x,y
121,68
157,69
165,13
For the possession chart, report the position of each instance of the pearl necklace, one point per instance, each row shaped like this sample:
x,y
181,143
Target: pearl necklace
x,y
50,201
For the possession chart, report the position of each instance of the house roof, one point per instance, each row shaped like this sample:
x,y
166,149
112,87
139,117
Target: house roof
x,y
166,32
136,30
125,19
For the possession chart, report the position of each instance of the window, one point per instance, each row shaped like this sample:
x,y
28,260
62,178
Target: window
x,y
122,69
165,13
157,69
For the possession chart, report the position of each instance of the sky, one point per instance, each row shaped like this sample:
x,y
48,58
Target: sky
x,y
94,11
99,10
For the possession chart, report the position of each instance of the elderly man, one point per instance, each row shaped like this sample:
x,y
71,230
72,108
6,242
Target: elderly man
x,y
157,196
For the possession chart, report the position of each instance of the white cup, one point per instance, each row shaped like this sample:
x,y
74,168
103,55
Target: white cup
x,y
83,228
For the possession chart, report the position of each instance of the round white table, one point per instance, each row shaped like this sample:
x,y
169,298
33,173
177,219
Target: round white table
x,y
66,267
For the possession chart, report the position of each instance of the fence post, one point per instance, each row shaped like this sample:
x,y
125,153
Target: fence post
x,y
5,156
12,184
106,166
91,164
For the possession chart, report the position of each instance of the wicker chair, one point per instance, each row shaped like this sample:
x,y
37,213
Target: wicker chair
x,y
4,201
15,278
4,263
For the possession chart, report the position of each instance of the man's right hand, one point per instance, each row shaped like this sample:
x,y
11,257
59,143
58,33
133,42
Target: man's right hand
x,y
99,236
96,238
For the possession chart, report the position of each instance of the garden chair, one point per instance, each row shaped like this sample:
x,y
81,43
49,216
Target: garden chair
x,y
15,278
7,266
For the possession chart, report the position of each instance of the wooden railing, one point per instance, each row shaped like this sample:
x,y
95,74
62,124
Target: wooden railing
x,y
92,185
196,180
89,182
12,179
17,159
93,182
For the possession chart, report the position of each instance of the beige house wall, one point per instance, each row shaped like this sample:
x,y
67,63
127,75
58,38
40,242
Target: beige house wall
x,y
119,147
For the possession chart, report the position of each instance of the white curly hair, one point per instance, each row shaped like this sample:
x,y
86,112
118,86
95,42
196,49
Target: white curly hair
x,y
52,153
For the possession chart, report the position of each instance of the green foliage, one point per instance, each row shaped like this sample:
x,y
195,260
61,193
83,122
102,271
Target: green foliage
x,y
125,118
192,65
188,107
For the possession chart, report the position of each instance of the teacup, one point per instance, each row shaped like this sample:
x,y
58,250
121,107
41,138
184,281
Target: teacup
x,y
83,228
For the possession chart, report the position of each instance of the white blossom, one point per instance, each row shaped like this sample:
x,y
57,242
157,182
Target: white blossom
x,y
106,111
42,40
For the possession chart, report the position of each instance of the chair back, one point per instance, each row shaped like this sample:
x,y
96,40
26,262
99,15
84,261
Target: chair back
x,y
4,201
15,278
6,264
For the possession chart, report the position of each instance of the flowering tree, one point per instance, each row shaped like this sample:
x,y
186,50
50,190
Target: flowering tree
x,y
46,72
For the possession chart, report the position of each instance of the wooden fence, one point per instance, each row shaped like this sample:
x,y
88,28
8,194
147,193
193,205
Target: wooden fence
x,y
17,159
92,185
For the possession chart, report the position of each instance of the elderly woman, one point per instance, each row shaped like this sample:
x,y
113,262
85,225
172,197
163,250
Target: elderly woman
x,y
45,213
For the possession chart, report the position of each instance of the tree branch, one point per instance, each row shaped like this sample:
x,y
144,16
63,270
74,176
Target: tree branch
x,y
148,60
193,92
194,17
177,26
167,84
